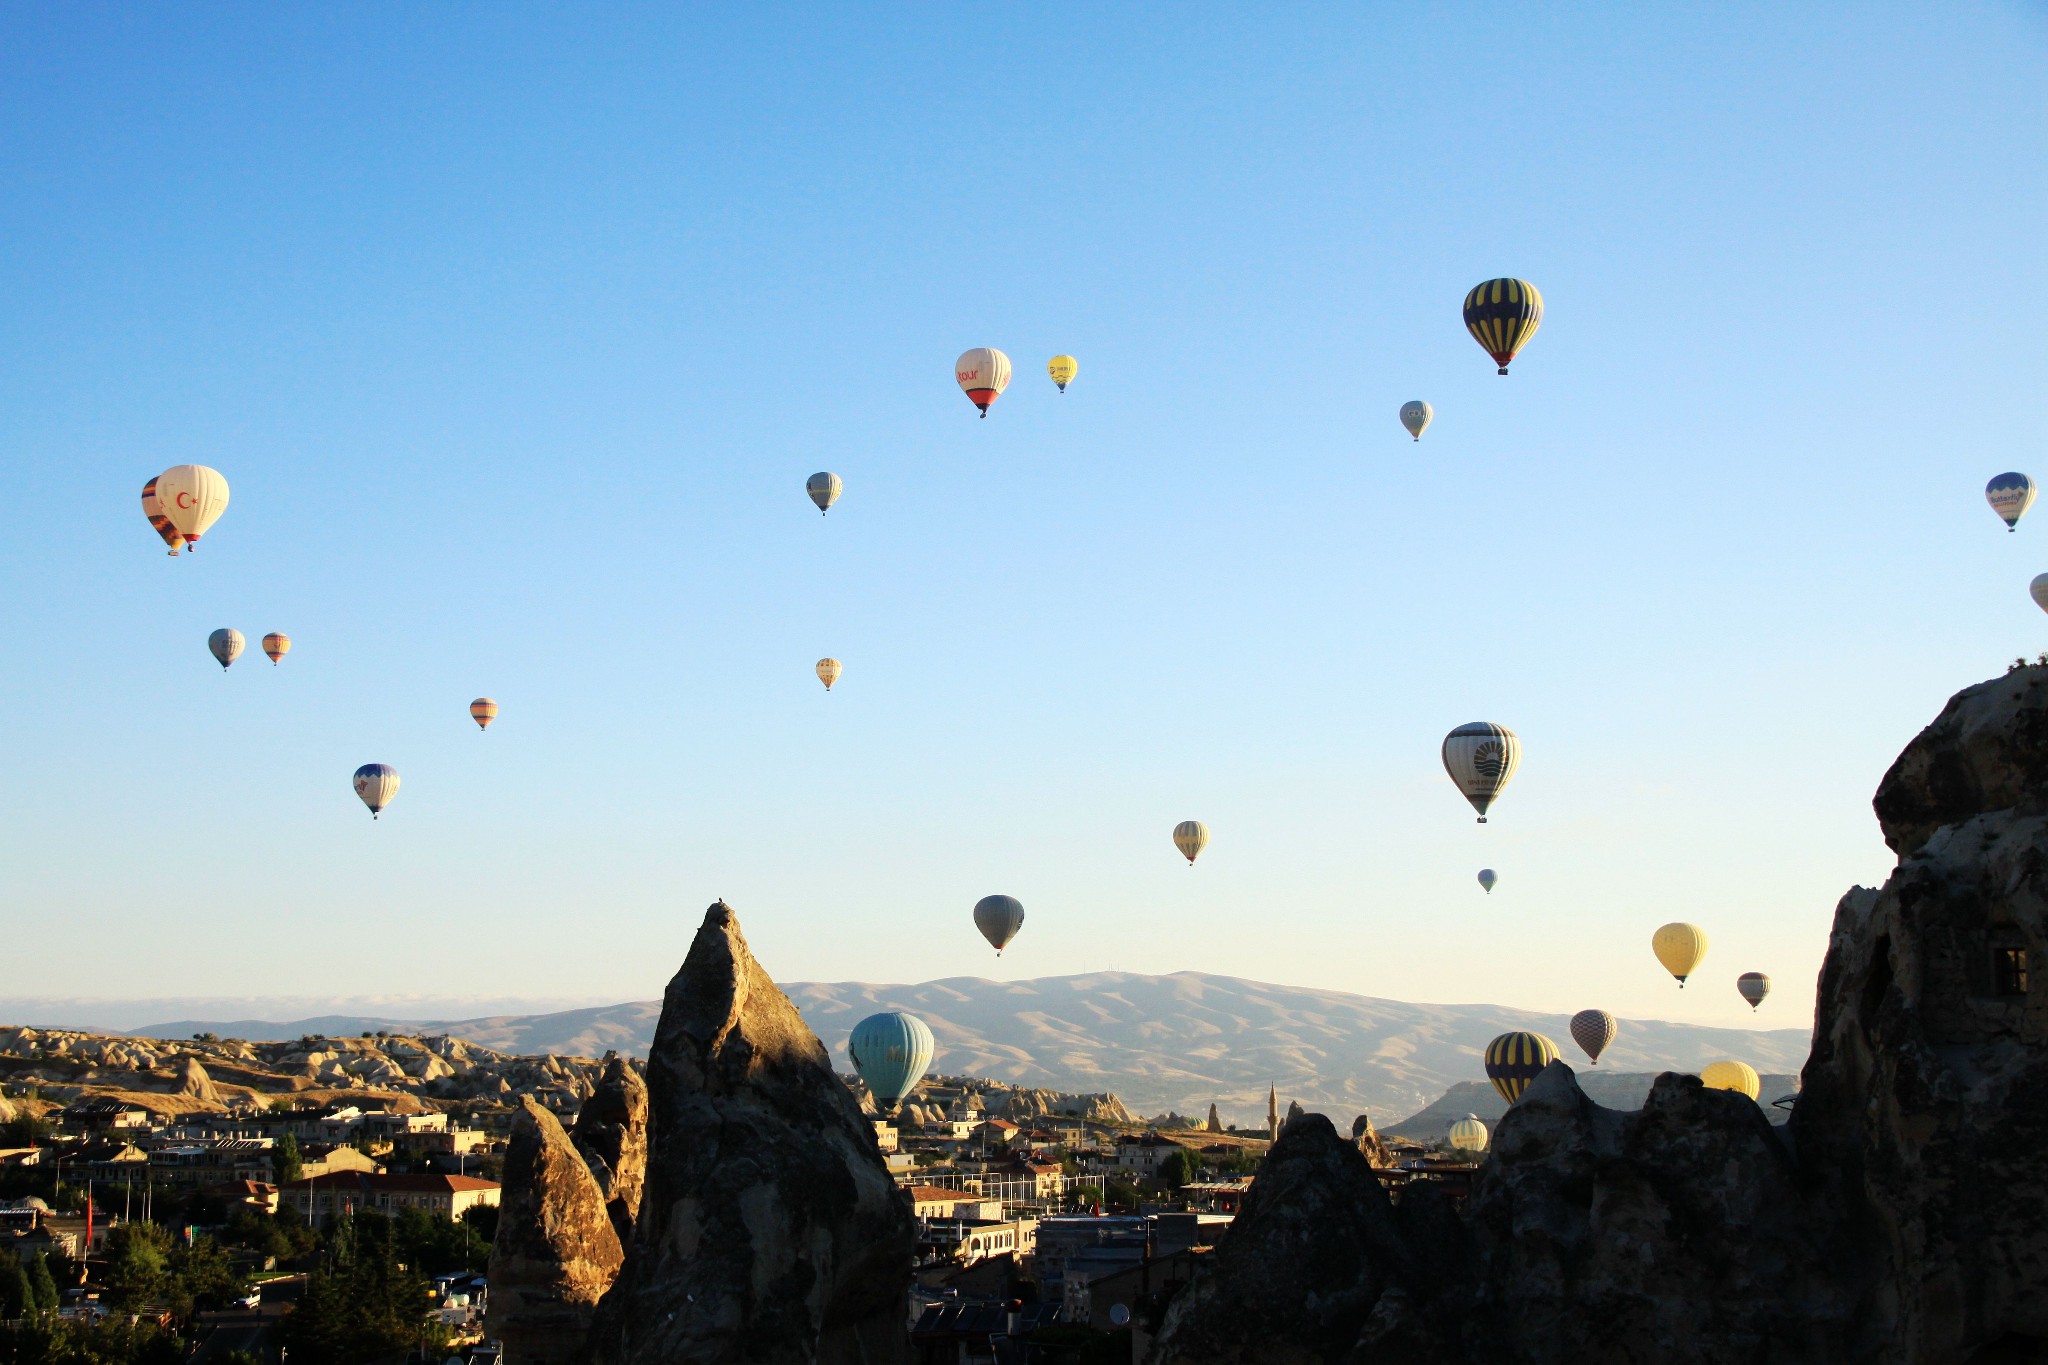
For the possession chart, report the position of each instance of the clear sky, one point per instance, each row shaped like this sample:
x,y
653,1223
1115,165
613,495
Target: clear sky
x,y
517,328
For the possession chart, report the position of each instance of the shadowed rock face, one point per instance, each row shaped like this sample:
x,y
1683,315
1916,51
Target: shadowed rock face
x,y
1924,1112
769,1229
611,1132
555,1253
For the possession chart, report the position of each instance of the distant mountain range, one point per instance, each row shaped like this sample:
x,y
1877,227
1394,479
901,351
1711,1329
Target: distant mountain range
x,y
1178,1042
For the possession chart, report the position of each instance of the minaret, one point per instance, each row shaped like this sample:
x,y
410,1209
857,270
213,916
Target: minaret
x,y
1272,1113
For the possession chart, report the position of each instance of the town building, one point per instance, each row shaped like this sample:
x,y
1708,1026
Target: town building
x,y
321,1199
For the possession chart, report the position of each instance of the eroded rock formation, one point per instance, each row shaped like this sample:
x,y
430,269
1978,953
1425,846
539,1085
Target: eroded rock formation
x,y
555,1253
1896,1220
769,1229
611,1132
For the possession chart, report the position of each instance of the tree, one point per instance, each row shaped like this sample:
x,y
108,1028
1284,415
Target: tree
x,y
138,1264
16,1298
366,1306
1181,1167
284,1160
26,1130
42,1289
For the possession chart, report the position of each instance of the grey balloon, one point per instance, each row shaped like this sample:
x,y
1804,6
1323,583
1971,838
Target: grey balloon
x,y
999,918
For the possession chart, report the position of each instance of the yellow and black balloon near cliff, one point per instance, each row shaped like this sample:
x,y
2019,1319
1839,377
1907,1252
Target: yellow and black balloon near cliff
x,y
1502,315
1514,1059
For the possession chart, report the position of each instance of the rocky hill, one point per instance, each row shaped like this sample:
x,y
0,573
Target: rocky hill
x,y
1609,1089
1179,1042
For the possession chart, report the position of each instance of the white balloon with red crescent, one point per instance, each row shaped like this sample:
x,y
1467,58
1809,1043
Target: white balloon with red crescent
x,y
191,498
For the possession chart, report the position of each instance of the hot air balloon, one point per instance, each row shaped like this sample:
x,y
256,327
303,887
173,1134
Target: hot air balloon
x,y
1679,947
191,497
1754,987
1593,1030
984,373
152,509
1487,877
824,489
1502,315
1481,758
376,784
890,1051
999,918
1514,1059
828,672
1731,1076
1191,837
1062,368
483,711
277,644
1468,1134
1416,415
2038,590
226,645
2010,495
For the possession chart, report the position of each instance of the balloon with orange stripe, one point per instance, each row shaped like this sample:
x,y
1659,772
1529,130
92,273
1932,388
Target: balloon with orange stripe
x,y
483,711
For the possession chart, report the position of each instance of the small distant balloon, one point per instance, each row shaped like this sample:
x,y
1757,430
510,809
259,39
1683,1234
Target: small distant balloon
x,y
1515,1059
1679,947
483,711
277,644
225,645
983,374
1487,878
1063,368
1502,315
1731,1076
1191,837
158,522
824,488
999,918
891,1052
191,497
1593,1030
1416,415
2038,590
1754,987
2010,495
1468,1134
828,672
1481,758
376,784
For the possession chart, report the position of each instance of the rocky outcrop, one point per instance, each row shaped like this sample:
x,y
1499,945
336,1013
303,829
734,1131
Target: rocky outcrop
x,y
1103,1107
1895,1220
611,1132
194,1082
769,1230
1924,1108
1369,1143
555,1253
1305,1261
1215,1123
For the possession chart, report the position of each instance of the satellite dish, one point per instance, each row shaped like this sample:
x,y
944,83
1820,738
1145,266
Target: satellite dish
x,y
1119,1316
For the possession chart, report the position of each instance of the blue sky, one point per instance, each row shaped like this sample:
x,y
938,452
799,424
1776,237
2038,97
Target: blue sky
x,y
517,328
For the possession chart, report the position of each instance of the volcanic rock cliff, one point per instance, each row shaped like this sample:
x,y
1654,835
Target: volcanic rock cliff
x,y
1900,1218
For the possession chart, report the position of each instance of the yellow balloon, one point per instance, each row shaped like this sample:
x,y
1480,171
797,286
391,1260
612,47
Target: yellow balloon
x,y
1063,368
828,672
1679,947
1731,1076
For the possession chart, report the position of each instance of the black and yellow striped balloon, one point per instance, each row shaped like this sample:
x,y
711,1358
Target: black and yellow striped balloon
x,y
1514,1059
1502,315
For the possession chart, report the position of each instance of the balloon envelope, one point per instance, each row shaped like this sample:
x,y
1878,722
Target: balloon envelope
x,y
1062,368
226,645
277,644
2010,495
152,509
192,497
1481,758
1468,1134
828,672
891,1052
1593,1030
2038,590
1487,878
1191,837
376,784
483,711
1502,315
1754,987
983,374
999,918
824,488
1416,415
1731,1076
1679,947
1515,1059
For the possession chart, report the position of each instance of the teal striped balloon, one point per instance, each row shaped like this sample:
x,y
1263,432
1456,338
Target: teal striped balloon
x,y
891,1052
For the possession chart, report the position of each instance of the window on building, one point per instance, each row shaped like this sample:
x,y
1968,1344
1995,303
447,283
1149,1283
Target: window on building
x,y
2009,971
